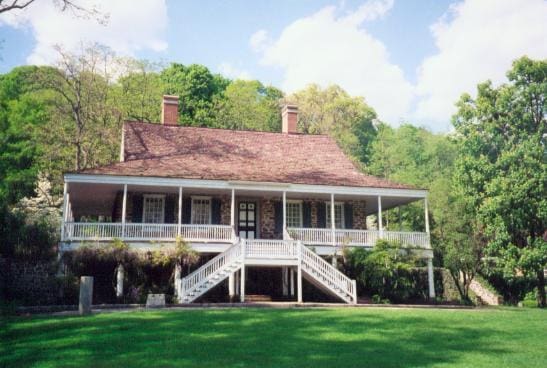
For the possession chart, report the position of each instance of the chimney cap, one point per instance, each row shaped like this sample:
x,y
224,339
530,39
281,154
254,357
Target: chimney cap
x,y
171,99
289,108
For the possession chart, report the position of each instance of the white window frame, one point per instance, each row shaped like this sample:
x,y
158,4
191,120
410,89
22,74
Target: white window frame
x,y
301,219
147,196
342,218
209,198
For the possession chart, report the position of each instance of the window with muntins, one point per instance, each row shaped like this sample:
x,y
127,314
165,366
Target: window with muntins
x,y
153,209
201,210
294,214
338,215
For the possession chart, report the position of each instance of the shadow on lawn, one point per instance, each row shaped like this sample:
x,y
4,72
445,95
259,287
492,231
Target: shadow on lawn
x,y
241,338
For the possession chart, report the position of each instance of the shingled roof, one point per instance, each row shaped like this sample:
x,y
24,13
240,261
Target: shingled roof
x,y
157,150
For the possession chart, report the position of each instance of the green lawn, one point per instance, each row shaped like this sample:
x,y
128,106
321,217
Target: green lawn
x,y
342,337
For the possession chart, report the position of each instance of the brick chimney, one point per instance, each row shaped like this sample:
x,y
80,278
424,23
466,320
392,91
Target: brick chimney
x,y
169,110
289,117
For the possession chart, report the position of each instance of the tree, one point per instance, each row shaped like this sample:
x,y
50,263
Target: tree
x,y
414,156
87,119
196,87
502,168
332,111
62,5
249,105
139,90
22,111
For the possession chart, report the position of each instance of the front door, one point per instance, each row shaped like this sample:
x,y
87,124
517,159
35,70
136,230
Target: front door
x,y
247,219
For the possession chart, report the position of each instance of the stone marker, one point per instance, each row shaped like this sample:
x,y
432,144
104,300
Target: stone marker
x,y
86,294
155,301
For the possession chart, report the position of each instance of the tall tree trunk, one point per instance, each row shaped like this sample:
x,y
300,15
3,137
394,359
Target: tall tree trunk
x,y
541,289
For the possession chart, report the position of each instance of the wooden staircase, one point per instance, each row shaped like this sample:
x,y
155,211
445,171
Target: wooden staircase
x,y
268,253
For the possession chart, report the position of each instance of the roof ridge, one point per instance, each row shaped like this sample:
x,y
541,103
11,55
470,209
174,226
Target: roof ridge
x,y
226,129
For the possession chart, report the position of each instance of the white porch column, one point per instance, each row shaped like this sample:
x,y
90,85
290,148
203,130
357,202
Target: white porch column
x,y
236,276
285,281
333,229
426,216
291,276
242,284
299,277
430,278
124,208
233,213
65,210
430,275
242,276
179,222
284,214
380,225
231,286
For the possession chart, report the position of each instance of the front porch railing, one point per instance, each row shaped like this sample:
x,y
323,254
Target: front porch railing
x,y
81,231
366,238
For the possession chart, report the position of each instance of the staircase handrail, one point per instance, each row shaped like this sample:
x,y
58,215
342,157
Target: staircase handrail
x,y
335,276
200,275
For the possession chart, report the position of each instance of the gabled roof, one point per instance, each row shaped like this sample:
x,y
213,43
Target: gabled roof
x,y
157,150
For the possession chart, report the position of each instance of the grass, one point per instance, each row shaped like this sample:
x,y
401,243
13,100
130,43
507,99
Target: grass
x,y
342,337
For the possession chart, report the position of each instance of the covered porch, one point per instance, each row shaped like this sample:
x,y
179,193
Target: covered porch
x,y
211,215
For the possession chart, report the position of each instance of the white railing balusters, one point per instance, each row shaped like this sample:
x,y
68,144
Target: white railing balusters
x,y
198,278
141,231
367,238
328,275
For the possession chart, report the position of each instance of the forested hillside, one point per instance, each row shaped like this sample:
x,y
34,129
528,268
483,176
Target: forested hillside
x,y
487,177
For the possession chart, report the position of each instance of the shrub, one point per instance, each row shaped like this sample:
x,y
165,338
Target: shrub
x,y
389,272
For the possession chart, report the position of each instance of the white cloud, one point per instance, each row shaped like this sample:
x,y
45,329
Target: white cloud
x,y
230,71
328,48
131,27
477,40
259,40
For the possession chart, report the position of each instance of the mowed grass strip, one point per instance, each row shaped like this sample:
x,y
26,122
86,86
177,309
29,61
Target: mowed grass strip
x,y
342,337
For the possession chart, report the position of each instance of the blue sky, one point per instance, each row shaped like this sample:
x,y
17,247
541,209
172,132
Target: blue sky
x,y
409,59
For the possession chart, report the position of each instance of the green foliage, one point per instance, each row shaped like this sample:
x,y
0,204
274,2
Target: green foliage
x,y
249,105
385,271
502,169
332,111
22,111
197,88
23,240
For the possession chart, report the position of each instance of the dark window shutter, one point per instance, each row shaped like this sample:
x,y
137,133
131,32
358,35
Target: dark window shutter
x,y
186,210
215,211
321,215
278,217
169,210
137,208
348,216
306,214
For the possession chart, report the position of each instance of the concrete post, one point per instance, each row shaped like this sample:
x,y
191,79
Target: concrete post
x,y
178,273
119,281
86,295
430,278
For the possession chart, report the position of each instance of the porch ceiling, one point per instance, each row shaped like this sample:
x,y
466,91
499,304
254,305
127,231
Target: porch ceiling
x,y
93,198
